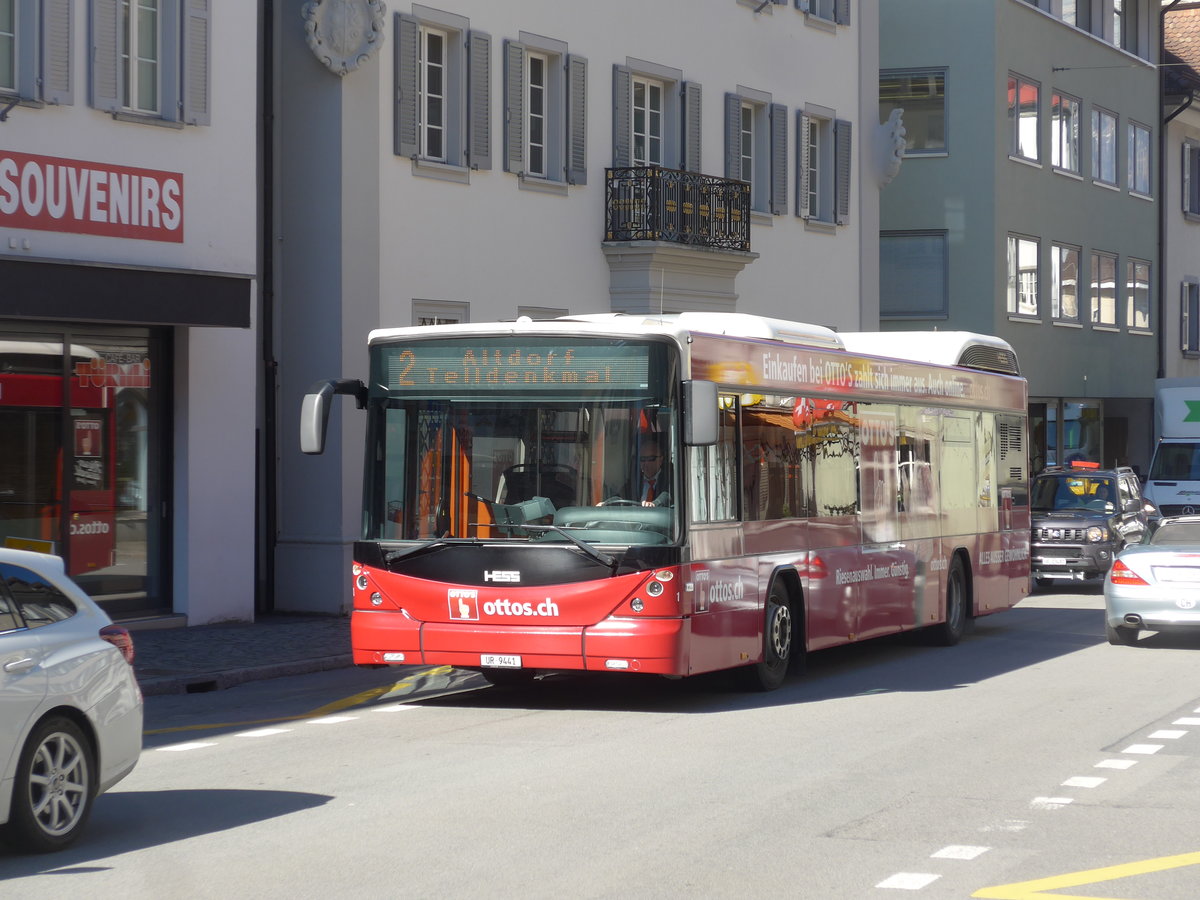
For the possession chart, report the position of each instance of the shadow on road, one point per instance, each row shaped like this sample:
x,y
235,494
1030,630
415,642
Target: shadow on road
x,y
127,821
997,644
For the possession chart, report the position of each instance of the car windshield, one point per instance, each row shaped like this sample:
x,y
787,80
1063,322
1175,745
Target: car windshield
x,y
1175,533
1069,491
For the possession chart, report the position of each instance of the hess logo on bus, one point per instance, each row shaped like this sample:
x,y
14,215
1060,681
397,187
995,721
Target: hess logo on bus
x,y
502,576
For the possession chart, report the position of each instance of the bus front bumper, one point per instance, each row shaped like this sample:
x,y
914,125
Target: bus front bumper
x,y
654,645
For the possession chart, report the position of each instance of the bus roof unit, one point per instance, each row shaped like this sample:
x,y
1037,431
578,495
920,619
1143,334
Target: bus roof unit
x,y
944,348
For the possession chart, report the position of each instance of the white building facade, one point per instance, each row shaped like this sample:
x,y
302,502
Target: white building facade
x,y
478,161
128,285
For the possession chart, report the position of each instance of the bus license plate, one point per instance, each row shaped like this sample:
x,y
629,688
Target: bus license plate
x,y
497,661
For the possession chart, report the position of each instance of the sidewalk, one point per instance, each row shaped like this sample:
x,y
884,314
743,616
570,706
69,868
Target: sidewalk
x,y
181,660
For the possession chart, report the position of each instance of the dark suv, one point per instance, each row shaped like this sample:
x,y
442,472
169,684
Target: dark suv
x,y
1082,518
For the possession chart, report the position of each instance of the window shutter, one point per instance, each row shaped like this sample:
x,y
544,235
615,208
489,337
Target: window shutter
x,y
622,117
57,21
576,120
1186,175
27,38
105,87
841,152
408,37
733,136
479,107
690,158
779,159
514,107
841,12
196,75
802,123
1184,317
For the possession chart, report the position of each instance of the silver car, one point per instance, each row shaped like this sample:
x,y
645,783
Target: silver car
x,y
1155,584
70,707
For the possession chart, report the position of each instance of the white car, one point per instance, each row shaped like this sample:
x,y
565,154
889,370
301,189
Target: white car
x,y
1155,585
70,707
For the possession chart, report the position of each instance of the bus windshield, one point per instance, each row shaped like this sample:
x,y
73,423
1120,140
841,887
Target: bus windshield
x,y
533,439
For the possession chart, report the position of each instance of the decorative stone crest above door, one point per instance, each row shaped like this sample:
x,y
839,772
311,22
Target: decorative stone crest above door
x,y
344,34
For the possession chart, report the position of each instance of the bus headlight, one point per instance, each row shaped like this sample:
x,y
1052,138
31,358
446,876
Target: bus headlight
x,y
361,582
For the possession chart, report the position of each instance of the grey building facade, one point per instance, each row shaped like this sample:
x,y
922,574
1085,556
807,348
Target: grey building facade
x,y
1027,206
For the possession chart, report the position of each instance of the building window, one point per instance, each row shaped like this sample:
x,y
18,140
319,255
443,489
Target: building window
x,y
8,45
1064,283
1022,276
1064,132
1078,13
922,96
1189,325
443,78
150,60
139,44
1104,289
647,122
1137,295
431,85
1138,155
756,148
1191,179
831,10
440,312
36,42
1125,24
1104,146
545,92
822,166
656,117
913,275
1024,100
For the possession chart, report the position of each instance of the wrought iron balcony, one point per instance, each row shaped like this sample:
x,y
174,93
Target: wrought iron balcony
x,y
650,203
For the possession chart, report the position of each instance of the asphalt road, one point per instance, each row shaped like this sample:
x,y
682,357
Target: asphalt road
x,y
1032,760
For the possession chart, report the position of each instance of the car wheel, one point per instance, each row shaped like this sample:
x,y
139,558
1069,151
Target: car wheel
x,y
1118,635
950,632
54,787
779,642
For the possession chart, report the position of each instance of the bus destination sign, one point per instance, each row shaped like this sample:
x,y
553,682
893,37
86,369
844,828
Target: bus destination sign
x,y
531,366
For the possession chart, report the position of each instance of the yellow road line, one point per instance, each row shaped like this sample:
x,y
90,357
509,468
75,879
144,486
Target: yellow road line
x,y
1030,890
336,706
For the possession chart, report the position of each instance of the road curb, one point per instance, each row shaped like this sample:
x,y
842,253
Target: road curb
x,y
202,682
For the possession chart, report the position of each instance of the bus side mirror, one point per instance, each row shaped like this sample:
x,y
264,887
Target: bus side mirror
x,y
700,409
314,411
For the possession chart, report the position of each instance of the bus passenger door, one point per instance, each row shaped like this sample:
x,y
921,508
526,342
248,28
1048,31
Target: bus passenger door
x,y
888,564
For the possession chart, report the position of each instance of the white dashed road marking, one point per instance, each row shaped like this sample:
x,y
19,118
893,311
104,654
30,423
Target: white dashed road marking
x,y
1083,782
1168,734
908,881
1116,764
262,732
194,745
1145,749
1050,802
959,851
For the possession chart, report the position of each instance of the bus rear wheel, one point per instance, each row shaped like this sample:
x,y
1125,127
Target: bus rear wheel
x,y
950,632
779,643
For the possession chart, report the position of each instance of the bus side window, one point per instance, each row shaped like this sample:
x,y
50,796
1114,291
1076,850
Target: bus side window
x,y
712,483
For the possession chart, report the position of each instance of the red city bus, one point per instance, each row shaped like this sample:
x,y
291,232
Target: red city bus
x,y
812,493
57,487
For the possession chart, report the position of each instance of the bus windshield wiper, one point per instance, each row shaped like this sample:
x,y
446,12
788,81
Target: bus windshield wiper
x,y
427,547
598,555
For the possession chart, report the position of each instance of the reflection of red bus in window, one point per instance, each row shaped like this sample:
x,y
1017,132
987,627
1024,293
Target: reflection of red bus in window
x,y
57,453
820,488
